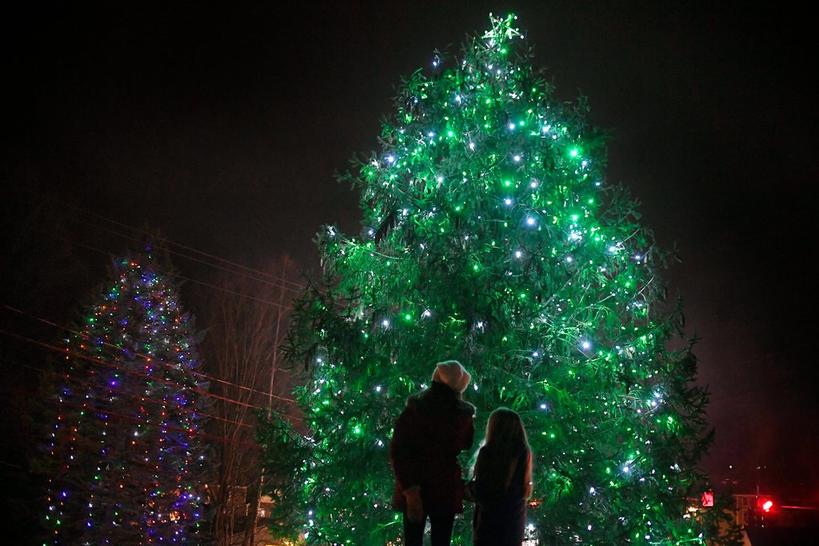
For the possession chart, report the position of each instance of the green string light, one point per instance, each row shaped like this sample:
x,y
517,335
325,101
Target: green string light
x,y
486,207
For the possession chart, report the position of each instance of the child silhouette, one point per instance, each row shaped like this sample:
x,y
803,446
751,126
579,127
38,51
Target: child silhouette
x,y
501,482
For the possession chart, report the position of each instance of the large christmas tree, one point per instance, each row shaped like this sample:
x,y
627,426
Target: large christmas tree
x,y
491,237
126,449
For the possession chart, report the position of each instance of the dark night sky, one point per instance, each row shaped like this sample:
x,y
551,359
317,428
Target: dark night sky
x,y
224,126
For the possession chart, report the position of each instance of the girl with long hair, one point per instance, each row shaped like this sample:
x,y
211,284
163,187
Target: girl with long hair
x,y
501,482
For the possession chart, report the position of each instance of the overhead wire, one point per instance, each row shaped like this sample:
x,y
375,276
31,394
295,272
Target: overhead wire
x,y
258,275
119,367
237,268
146,357
194,259
254,274
183,277
76,381
169,427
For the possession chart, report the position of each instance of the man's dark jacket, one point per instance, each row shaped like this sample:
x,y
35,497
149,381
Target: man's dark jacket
x,y
434,427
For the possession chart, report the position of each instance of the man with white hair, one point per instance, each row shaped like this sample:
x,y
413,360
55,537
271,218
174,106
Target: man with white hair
x,y
434,427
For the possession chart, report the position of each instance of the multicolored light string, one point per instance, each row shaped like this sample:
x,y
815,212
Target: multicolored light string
x,y
133,480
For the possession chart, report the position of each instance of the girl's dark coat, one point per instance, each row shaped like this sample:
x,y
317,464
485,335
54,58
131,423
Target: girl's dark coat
x,y
499,490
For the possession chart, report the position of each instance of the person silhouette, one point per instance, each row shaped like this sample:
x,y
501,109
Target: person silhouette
x,y
433,428
501,482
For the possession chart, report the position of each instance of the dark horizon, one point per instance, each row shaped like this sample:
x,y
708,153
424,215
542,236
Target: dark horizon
x,y
223,128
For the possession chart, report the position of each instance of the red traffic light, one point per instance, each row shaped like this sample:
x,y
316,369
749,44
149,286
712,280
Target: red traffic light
x,y
765,504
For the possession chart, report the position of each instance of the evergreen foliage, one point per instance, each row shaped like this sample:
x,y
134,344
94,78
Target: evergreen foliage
x,y
491,237
126,453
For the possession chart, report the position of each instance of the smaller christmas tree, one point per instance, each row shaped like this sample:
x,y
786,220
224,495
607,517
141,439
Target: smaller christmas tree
x,y
126,450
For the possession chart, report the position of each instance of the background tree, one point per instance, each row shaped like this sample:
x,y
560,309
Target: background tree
x,y
491,236
285,451
126,452
246,317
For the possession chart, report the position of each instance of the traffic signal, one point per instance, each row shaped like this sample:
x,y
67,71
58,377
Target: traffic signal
x,y
765,504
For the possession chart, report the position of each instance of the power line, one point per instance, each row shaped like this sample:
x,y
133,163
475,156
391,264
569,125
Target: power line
x,y
279,281
296,287
76,381
169,427
99,362
198,260
176,275
202,434
148,357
